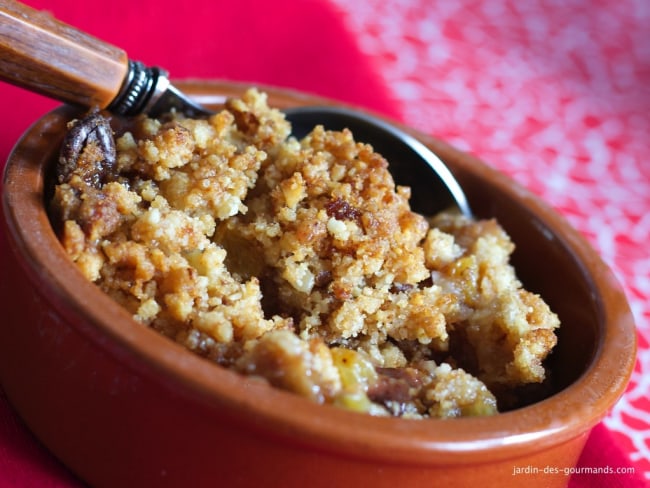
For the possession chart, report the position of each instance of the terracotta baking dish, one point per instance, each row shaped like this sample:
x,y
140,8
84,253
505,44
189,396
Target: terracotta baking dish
x,y
123,406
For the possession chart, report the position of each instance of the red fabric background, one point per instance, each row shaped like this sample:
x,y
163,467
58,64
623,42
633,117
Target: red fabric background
x,y
302,44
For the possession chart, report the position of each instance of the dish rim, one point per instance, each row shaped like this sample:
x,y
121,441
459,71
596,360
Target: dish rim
x,y
253,404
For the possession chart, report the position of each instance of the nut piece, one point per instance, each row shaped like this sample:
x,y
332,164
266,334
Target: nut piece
x,y
88,151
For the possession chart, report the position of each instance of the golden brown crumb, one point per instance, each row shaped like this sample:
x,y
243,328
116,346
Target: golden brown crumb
x,y
301,262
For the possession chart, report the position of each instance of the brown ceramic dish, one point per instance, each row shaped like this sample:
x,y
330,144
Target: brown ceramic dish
x,y
123,406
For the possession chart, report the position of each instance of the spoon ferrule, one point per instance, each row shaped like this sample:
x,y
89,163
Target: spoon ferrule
x,y
142,88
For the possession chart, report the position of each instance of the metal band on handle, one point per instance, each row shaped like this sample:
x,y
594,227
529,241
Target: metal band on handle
x,y
141,89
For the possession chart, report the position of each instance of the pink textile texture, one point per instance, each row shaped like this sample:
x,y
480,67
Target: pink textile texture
x,y
554,93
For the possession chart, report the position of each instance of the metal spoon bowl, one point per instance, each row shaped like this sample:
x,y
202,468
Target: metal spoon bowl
x,y
410,162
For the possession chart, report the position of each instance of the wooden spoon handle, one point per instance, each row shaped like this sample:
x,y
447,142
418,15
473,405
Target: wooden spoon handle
x,y
44,55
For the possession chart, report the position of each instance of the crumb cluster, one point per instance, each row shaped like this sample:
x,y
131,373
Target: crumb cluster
x,y
301,262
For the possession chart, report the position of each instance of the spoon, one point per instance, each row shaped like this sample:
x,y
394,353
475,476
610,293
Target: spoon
x,y
44,55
